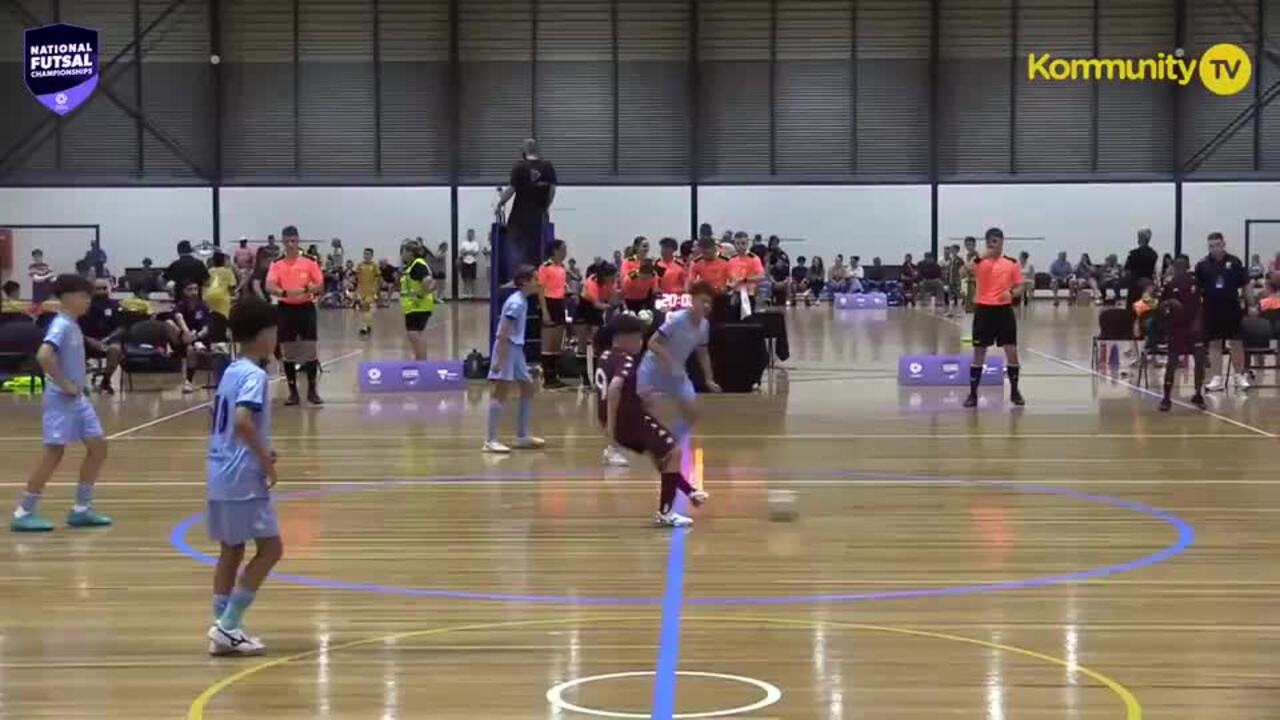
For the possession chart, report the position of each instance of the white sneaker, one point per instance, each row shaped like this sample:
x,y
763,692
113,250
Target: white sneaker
x,y
1243,382
1215,385
188,388
529,443
614,458
496,448
671,519
233,642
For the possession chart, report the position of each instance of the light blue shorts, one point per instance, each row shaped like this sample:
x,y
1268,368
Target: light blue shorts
x,y
69,419
235,522
515,369
650,378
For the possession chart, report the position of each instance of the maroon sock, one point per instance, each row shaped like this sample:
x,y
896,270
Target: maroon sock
x,y
668,497
678,482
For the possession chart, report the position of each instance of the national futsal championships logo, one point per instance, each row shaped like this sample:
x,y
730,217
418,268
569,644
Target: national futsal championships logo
x,y
1225,69
61,65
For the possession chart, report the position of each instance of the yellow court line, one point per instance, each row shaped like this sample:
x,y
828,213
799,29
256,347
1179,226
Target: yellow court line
x,y
1133,709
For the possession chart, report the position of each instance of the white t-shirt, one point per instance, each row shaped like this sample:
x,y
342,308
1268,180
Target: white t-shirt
x,y
470,251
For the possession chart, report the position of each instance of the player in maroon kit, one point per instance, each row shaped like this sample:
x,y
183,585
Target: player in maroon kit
x,y
626,422
1180,309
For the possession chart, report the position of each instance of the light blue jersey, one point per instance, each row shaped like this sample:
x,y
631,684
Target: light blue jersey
x,y
68,344
516,309
234,470
682,336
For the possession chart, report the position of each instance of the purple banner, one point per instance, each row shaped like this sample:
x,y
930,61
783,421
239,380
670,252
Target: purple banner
x,y
861,301
60,65
411,376
946,370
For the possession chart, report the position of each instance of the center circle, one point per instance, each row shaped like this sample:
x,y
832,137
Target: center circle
x,y
1184,537
771,695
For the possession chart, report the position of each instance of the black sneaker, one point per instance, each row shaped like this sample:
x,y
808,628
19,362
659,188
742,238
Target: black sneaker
x,y
293,398
313,397
1015,397
971,401
1165,404
106,389
1198,400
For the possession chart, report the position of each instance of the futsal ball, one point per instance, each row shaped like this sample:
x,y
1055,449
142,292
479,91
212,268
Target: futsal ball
x,y
782,505
646,316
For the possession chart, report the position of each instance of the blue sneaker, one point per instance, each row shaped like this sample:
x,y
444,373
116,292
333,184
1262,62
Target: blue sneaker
x,y
87,518
30,523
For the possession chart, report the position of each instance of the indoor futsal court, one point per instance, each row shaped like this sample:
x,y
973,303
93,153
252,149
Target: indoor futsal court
x,y
1084,557
650,359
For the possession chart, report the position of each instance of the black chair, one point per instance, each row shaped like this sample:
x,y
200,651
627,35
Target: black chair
x,y
146,346
8,317
1114,325
216,355
1273,317
738,355
1257,334
19,342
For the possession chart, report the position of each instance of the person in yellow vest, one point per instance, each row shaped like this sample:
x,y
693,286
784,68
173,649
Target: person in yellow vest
x,y
417,296
221,283
368,281
12,303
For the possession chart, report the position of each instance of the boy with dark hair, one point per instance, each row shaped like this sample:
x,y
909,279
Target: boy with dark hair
x,y
188,330
627,423
1180,311
241,473
12,304
68,415
508,366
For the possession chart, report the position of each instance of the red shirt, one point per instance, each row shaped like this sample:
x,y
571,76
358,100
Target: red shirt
x,y
746,266
551,277
672,275
595,291
293,276
996,277
714,271
613,364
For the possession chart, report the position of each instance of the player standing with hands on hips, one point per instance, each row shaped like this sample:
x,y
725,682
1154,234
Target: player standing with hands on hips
x,y
999,283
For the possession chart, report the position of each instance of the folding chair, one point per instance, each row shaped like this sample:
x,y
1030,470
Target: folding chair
x,y
1114,325
146,351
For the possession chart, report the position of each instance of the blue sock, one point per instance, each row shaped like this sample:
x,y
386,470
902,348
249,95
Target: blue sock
x,y
236,606
84,495
495,415
522,416
220,605
29,502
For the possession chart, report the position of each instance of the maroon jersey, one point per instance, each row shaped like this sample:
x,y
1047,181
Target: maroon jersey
x,y
1182,326
612,364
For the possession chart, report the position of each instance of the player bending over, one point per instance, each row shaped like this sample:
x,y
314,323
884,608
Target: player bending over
x,y
661,371
628,424
241,473
508,367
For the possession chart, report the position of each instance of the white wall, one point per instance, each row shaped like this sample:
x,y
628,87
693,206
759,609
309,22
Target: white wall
x,y
1098,219
1223,207
136,223
886,221
376,217
593,220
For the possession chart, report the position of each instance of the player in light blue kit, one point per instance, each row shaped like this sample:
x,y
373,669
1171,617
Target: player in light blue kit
x,y
662,370
507,365
241,473
68,415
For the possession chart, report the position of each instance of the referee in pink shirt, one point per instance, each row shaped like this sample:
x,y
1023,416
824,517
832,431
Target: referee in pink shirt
x,y
298,282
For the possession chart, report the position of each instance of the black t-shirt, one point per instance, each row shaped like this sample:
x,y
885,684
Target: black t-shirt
x,y
101,320
418,271
1141,263
532,180
929,270
779,272
185,270
799,273
874,272
1220,281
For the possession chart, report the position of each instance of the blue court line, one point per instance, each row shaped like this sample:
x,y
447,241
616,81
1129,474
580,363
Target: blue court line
x,y
664,677
1185,538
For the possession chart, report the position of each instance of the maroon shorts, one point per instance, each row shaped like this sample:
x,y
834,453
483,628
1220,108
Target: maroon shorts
x,y
647,436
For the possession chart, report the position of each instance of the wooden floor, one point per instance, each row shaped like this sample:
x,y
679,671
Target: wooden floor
x,y
1086,557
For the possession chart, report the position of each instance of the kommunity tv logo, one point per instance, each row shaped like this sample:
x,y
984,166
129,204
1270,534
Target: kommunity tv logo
x,y
1224,69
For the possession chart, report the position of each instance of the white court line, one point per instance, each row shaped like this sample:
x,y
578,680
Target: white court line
x,y
207,403
1126,383
643,484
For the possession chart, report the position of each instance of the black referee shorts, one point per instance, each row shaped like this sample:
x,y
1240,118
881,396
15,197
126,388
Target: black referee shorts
x,y
994,325
297,323
1221,320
